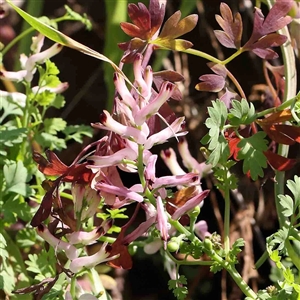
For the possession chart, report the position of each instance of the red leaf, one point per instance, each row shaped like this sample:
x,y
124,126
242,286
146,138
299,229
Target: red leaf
x,y
234,149
279,162
51,167
277,117
283,134
124,260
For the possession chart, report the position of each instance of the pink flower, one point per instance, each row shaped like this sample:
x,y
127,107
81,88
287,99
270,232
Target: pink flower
x,y
190,204
91,261
162,219
57,244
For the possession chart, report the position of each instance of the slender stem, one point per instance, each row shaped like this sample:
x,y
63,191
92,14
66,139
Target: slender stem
x,y
187,262
226,214
73,287
203,55
237,84
289,92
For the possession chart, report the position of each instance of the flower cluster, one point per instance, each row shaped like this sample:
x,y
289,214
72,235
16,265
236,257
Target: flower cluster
x,y
96,184
29,67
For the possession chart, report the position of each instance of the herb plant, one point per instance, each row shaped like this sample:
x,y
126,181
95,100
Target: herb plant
x,y
87,202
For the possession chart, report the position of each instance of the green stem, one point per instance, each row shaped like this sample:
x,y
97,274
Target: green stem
x,y
73,287
289,92
187,262
227,217
292,254
203,55
281,107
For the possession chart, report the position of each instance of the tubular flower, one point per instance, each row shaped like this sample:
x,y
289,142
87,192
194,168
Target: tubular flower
x,y
90,261
70,250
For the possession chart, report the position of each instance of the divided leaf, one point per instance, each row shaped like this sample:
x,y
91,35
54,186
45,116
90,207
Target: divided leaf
x,y
232,26
174,28
263,35
241,112
252,153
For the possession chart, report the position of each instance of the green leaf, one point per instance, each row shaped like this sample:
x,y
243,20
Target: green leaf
x,y
16,177
14,208
45,98
76,132
10,136
287,204
252,153
9,108
294,188
59,101
54,125
26,237
51,141
51,68
241,112
220,153
51,81
289,276
216,267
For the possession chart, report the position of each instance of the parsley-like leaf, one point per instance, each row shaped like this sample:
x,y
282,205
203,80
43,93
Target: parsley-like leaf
x,y
252,153
241,112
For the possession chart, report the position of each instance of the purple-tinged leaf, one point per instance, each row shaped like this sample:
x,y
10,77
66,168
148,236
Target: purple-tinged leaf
x,y
157,13
174,28
211,83
140,16
228,96
265,27
218,69
224,39
265,53
270,40
131,29
232,26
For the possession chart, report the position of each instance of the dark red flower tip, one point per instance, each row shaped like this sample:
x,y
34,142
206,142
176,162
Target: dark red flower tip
x,y
169,86
41,227
103,118
167,153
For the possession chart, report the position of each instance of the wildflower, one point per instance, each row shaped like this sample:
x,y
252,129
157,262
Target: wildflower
x,y
91,261
57,244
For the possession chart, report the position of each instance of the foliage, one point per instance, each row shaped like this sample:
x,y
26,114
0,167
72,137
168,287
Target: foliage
x,y
72,206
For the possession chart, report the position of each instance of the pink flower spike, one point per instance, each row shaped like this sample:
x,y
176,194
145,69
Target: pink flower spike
x,y
40,58
13,76
111,160
120,191
138,71
188,160
169,181
58,89
162,220
37,43
108,123
148,77
90,261
190,204
153,107
83,237
150,168
201,229
162,136
170,159
57,244
124,92
139,231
